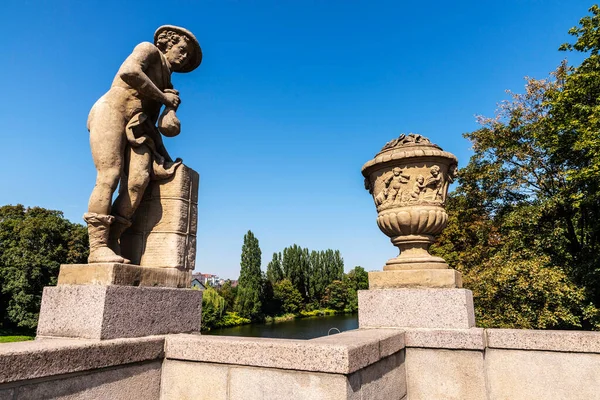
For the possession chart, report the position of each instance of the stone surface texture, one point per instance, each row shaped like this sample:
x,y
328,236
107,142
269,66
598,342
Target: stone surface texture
x,y
109,312
123,275
409,181
193,380
414,278
348,352
457,339
525,375
383,380
565,341
163,234
49,357
445,374
126,128
416,308
133,382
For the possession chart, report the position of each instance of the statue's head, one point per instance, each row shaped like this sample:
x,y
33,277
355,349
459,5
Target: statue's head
x,y
180,47
435,170
397,171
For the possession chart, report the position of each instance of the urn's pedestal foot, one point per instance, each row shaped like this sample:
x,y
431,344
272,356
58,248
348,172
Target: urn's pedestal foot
x,y
112,311
123,274
416,308
413,278
414,254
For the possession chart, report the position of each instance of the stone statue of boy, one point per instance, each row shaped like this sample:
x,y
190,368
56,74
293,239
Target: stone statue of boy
x,y
126,144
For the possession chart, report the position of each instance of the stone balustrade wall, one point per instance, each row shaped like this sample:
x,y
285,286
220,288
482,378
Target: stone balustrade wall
x,y
366,364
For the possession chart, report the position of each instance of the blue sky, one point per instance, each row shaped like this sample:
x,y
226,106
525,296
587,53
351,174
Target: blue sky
x,y
291,99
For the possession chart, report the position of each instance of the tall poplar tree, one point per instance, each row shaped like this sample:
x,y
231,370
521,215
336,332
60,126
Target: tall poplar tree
x,y
274,270
248,302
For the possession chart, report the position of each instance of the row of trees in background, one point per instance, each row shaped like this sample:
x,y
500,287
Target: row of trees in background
x,y
297,281
523,226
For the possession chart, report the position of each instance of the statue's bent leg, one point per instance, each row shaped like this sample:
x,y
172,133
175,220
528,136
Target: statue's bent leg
x,y
107,142
138,177
131,192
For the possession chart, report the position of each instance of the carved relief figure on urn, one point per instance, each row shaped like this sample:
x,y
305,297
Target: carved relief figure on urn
x,y
409,181
125,140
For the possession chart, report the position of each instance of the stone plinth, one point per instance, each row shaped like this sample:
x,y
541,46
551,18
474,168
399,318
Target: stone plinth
x,y
413,278
123,274
416,308
163,234
110,312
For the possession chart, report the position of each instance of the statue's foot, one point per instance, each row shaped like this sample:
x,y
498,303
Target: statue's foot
x,y
105,255
116,249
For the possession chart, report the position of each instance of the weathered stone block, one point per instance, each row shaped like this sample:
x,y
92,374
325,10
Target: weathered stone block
x,y
342,353
163,234
131,382
456,339
270,384
44,358
412,278
446,374
123,274
524,375
384,380
525,339
7,394
110,312
190,380
416,308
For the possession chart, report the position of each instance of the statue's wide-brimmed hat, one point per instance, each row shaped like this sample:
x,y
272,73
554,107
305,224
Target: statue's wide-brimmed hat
x,y
195,57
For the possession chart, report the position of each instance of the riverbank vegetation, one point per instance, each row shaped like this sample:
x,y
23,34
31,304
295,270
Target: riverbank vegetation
x,y
298,283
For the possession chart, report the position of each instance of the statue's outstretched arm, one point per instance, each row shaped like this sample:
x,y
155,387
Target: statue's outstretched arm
x,y
133,73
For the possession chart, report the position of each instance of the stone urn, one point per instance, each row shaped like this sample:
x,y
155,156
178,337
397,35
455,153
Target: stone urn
x,y
409,181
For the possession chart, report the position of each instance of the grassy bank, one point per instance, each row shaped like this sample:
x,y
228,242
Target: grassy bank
x,y
7,336
323,312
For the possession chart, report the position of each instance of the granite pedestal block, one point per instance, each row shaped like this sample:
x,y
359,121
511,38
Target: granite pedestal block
x,y
110,312
413,278
416,308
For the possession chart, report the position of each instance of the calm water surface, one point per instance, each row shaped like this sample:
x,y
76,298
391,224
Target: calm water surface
x,y
300,328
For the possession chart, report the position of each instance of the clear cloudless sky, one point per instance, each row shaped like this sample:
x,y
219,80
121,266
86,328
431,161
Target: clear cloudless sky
x,y
291,99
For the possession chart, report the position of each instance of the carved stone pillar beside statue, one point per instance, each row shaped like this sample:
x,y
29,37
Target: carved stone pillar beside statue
x,y
409,181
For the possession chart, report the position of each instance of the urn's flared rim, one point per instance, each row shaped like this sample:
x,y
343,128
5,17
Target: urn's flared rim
x,y
394,156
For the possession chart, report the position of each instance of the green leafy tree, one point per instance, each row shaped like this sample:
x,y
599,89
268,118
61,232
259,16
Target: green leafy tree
x,y
336,296
33,243
318,280
522,225
274,269
287,296
213,307
228,293
333,265
357,278
296,267
248,302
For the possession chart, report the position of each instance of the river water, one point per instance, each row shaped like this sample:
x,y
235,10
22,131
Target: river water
x,y
299,328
